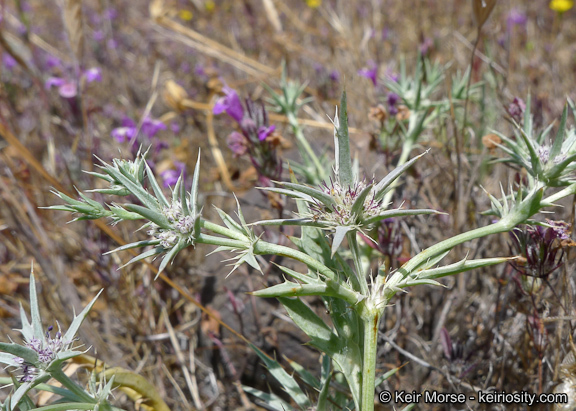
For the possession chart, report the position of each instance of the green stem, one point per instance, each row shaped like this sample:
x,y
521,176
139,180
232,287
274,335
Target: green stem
x,y
357,258
305,146
443,246
260,247
371,322
63,379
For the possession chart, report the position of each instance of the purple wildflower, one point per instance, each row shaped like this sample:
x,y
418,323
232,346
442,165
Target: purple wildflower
x,y
66,88
229,103
125,133
8,61
170,176
515,18
151,127
539,248
52,62
93,74
370,73
237,143
264,132
393,99
516,109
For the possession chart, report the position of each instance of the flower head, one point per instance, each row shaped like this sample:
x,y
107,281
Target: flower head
x,y
347,204
229,103
561,6
41,353
370,73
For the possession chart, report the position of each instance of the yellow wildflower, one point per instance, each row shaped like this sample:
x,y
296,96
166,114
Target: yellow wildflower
x,y
185,15
313,4
561,6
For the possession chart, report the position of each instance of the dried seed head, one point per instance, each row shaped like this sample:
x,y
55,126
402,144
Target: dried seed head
x,y
491,141
378,113
403,113
175,95
482,10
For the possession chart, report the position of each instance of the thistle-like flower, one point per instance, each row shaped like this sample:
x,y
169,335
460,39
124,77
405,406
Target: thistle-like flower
x,y
347,203
551,163
41,355
172,225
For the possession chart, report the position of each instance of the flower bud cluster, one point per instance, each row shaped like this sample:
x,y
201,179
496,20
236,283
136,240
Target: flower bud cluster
x,y
47,350
344,198
182,226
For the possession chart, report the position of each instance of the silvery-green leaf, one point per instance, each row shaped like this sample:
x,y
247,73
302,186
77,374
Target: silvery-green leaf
x,y
134,187
322,197
305,278
143,256
24,388
269,400
412,282
304,374
171,255
379,380
120,214
156,187
322,403
345,353
287,382
28,354
229,221
556,171
302,222
342,142
136,244
399,213
155,216
78,319
339,235
194,191
34,309
381,187
459,267
289,193
9,359
290,289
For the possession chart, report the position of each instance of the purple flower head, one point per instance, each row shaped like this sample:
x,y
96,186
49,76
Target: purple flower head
x,y
425,46
98,35
152,127
52,62
515,18
66,88
370,73
122,134
264,132
54,82
110,13
112,44
128,122
516,109
237,143
334,75
229,103
540,249
8,61
393,99
93,74
175,127
170,176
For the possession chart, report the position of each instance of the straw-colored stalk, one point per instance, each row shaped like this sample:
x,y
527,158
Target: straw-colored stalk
x,y
74,28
